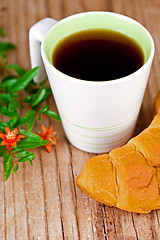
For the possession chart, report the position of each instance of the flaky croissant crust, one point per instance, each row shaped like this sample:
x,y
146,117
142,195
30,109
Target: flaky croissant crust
x,y
128,177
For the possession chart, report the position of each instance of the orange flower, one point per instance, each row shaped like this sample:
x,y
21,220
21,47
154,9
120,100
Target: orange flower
x,y
10,138
48,135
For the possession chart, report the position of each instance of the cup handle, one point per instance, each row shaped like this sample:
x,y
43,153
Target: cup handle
x,y
36,35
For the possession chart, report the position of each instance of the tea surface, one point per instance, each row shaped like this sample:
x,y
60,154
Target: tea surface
x,y
98,55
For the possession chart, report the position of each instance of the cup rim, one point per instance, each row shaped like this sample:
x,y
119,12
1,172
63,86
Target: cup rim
x,y
99,83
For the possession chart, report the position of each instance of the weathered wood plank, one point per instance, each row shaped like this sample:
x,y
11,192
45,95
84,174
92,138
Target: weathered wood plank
x,y
21,224
83,210
72,7
124,224
65,181
67,190
143,226
155,225
98,220
110,228
55,9
10,232
51,195
2,204
100,5
35,200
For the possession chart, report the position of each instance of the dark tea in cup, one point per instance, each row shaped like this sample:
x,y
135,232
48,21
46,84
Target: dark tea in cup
x,y
98,55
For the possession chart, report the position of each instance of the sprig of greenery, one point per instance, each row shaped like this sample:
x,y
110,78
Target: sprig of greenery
x,y
15,79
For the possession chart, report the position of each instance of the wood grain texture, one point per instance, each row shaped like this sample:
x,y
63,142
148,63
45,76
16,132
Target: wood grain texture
x,y
42,202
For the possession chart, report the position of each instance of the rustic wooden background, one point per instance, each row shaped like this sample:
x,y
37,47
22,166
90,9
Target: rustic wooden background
x,y
42,202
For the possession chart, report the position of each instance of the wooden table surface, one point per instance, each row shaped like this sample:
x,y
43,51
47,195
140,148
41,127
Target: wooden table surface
x,y
42,202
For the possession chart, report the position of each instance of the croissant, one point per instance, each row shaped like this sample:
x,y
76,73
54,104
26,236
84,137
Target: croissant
x,y
128,177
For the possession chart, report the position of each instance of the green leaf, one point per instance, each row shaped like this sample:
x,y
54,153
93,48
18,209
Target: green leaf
x,y
2,33
24,80
15,169
21,121
4,46
29,145
6,112
8,83
19,70
3,125
22,107
7,164
3,55
27,99
23,153
25,156
17,150
49,113
5,160
13,122
31,162
30,136
16,121
53,115
44,110
30,118
13,105
28,157
2,150
7,97
38,97
8,77
47,94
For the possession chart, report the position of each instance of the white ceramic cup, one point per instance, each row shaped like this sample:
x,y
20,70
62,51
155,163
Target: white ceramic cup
x,y
96,116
